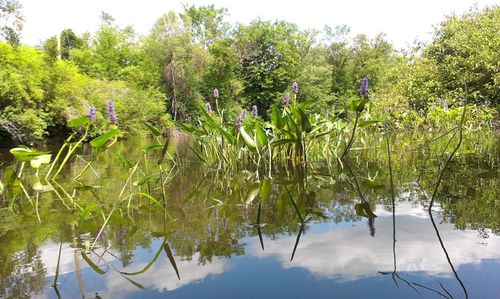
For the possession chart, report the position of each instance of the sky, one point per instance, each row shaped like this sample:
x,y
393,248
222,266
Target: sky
x,y
403,21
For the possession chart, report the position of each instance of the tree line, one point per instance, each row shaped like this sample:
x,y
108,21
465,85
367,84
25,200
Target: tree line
x,y
170,72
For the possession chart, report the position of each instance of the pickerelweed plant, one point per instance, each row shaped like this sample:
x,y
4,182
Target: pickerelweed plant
x,y
292,134
18,184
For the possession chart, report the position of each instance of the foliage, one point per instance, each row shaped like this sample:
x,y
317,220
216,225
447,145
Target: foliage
x,y
464,50
270,59
174,69
11,21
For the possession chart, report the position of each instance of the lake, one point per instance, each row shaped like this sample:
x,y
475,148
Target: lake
x,y
321,229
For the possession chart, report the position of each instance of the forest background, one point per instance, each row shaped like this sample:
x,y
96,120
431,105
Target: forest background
x,y
169,73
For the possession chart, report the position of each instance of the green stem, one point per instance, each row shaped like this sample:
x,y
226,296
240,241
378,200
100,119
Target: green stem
x,y
58,155
84,169
71,151
351,141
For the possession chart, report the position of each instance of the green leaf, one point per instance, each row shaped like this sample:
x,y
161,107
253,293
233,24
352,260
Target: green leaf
x,y
153,147
230,138
153,260
364,210
101,140
304,121
261,135
276,118
357,105
26,154
38,161
170,256
307,104
78,122
186,127
265,190
248,139
146,179
197,153
38,187
156,202
9,176
152,129
92,265
252,194
124,160
365,123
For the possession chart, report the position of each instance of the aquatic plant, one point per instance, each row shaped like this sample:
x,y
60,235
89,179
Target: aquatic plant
x,y
286,99
92,113
254,111
112,112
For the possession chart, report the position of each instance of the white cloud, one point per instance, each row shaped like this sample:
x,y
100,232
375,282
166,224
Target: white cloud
x,y
350,253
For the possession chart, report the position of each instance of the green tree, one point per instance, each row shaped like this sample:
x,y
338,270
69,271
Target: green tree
x,y
270,56
107,53
206,23
11,21
69,41
179,64
465,49
352,59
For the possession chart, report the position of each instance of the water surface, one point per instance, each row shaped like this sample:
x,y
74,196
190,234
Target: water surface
x,y
237,234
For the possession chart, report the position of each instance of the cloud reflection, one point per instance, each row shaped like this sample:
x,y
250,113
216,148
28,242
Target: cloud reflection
x,y
162,277
349,253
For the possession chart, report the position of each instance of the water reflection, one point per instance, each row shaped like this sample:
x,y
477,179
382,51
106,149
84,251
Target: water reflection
x,y
342,226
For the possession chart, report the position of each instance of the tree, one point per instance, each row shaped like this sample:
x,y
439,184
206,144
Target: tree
x,y
179,63
352,59
11,21
206,23
107,53
69,41
270,54
465,50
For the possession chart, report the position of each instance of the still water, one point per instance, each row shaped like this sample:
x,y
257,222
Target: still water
x,y
240,233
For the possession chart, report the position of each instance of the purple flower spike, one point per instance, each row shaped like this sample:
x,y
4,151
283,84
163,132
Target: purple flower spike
x,y
92,113
254,111
243,114
216,93
238,123
286,99
295,87
364,87
112,113
209,107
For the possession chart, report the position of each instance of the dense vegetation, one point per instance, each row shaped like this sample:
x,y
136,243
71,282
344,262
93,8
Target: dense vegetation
x,y
167,74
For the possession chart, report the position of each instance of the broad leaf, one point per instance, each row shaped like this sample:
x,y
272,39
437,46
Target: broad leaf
x,y
261,135
26,154
366,123
276,118
101,140
248,139
38,161
155,131
78,122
